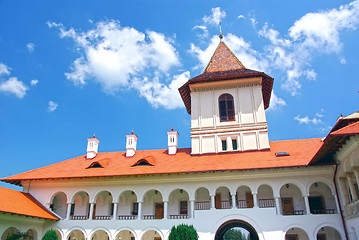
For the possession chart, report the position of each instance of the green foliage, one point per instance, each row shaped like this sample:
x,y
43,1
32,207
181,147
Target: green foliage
x,y
50,235
235,234
183,232
17,236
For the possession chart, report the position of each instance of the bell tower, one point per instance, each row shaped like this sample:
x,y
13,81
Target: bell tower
x,y
227,104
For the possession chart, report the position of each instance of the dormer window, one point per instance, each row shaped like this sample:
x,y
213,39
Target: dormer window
x,y
147,161
226,107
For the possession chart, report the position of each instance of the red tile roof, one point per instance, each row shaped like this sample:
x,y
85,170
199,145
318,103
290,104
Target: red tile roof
x,y
20,203
224,65
301,153
223,59
350,129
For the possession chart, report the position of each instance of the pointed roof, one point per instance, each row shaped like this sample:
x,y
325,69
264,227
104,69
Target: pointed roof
x,y
224,65
223,59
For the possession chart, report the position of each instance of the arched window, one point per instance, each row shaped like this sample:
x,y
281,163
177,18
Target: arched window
x,y
226,107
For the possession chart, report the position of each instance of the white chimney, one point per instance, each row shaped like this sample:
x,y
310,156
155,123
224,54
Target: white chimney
x,y
172,141
131,143
92,147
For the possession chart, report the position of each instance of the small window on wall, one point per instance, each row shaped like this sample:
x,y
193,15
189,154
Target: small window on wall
x,y
234,144
226,107
224,145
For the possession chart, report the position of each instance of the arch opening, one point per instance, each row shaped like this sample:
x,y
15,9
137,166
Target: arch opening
x,y
236,228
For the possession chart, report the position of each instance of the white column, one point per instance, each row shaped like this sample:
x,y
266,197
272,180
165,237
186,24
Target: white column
x,y
139,210
234,201
91,210
343,186
115,204
212,202
165,210
255,201
277,205
336,203
307,207
353,191
192,208
68,211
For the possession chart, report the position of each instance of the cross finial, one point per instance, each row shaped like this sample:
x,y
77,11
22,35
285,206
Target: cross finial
x,y
94,136
132,131
220,31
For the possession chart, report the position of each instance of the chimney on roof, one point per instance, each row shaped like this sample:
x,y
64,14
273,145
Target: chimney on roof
x,y
131,143
172,142
92,147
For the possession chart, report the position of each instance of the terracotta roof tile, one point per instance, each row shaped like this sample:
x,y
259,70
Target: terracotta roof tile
x,y
223,59
301,152
16,202
350,129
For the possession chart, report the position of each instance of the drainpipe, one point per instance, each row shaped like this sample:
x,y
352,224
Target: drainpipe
x,y
340,206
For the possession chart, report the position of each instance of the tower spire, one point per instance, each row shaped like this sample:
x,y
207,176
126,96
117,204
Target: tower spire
x,y
220,31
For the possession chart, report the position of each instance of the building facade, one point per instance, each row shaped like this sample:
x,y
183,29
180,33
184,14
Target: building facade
x,y
232,177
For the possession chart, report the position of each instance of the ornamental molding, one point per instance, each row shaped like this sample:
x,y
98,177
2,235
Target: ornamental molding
x,y
226,130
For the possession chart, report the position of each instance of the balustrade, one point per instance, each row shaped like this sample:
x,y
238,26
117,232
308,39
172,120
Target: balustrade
x,y
147,217
266,203
323,211
203,205
180,216
244,203
127,217
103,217
79,217
293,212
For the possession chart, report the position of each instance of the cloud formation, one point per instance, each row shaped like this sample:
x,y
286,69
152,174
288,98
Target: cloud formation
x,y
34,82
30,47
52,106
117,57
211,20
14,86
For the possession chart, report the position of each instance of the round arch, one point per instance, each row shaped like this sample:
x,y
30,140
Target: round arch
x,y
100,230
132,231
58,192
155,230
236,223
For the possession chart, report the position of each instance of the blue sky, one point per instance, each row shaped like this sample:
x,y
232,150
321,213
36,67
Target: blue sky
x,y
69,69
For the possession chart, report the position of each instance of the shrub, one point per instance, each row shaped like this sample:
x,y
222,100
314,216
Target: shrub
x,y
183,232
17,236
50,235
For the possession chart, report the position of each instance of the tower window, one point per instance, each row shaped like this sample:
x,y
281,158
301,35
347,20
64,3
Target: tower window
x,y
234,144
224,145
226,107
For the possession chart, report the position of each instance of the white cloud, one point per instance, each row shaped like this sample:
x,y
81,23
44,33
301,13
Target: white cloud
x,y
317,119
116,57
203,29
30,47
240,16
159,94
14,86
4,70
314,33
34,82
276,103
52,106
215,17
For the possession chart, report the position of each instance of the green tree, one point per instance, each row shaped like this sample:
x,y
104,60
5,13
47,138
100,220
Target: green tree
x,y
17,236
183,232
50,235
235,234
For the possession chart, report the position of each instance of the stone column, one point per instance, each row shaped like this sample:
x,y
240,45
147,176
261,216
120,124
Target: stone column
x,y
115,205
192,208
307,206
68,211
353,191
165,210
234,201
255,200
343,186
212,202
277,204
91,210
139,210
